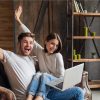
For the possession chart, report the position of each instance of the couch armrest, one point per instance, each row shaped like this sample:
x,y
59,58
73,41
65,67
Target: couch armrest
x,y
8,93
85,86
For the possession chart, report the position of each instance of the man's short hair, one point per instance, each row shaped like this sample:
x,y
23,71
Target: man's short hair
x,y
26,34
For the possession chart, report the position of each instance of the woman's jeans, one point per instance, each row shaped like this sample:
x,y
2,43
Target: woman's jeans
x,y
38,87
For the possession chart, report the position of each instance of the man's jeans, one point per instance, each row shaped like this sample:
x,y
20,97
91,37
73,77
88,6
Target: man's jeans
x,y
38,87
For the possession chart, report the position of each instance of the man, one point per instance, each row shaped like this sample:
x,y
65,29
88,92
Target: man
x,y
20,67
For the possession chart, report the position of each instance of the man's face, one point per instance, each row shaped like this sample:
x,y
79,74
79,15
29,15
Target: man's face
x,y
26,46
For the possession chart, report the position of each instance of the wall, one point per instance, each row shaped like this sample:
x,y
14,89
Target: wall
x,y
45,17
6,24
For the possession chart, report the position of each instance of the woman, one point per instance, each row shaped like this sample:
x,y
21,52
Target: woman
x,y
51,65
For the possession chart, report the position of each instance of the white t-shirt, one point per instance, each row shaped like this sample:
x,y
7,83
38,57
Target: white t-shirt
x,y
20,70
52,64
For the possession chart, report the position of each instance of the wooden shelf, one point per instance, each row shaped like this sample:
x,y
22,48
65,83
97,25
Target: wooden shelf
x,y
86,60
89,14
86,37
94,84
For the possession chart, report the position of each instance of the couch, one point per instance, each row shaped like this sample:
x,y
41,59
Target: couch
x,y
7,94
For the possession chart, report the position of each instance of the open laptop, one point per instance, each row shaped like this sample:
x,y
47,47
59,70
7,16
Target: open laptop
x,y
72,76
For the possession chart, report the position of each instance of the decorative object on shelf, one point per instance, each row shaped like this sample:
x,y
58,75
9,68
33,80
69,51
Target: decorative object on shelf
x,y
74,52
85,11
96,11
78,56
93,33
86,31
75,57
93,54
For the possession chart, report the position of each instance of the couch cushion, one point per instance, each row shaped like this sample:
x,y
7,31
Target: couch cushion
x,y
3,77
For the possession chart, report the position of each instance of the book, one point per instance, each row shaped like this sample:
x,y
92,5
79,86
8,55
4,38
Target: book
x,y
77,9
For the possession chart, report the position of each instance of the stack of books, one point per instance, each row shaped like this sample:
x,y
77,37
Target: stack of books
x,y
78,6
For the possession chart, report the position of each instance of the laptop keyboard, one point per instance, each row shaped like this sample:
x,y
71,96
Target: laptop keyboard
x,y
60,85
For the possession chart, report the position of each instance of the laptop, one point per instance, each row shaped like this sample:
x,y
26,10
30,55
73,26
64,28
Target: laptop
x,y
72,76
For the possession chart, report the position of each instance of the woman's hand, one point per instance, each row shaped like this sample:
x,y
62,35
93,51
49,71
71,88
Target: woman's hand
x,y
18,13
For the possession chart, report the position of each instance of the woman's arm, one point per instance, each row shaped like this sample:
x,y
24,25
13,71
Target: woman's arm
x,y
60,65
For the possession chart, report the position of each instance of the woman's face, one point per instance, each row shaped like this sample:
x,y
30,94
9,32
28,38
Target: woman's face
x,y
52,45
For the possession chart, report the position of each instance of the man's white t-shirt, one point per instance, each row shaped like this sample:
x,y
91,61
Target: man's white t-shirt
x,y
20,70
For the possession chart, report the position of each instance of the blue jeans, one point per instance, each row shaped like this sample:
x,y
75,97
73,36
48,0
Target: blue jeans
x,y
74,93
38,87
33,86
38,84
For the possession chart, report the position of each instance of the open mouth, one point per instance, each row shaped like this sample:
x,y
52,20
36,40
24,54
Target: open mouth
x,y
27,49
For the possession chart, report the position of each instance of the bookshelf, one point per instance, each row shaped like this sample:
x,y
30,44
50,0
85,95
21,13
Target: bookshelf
x,y
86,37
94,84
88,14
86,60
80,15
